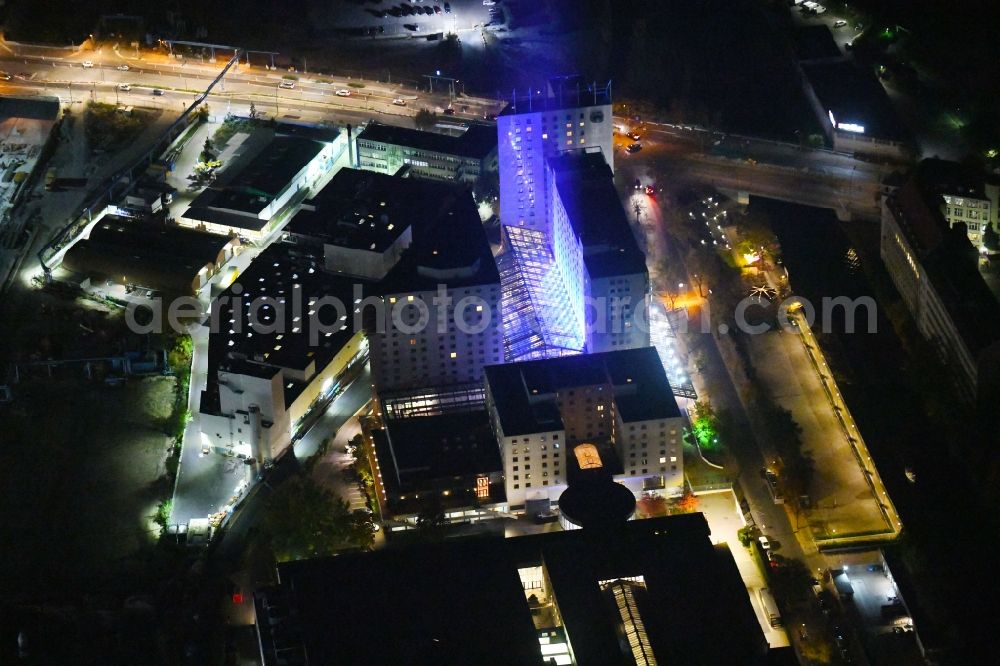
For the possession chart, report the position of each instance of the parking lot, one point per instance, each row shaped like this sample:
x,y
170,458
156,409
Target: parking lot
x,y
413,18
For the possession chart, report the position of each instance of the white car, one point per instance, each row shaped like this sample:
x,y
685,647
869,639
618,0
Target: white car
x,y
839,24
122,68
399,102
287,85
124,87
87,64
343,92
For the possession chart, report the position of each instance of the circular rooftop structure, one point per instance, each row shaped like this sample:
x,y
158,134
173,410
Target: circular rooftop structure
x,y
595,503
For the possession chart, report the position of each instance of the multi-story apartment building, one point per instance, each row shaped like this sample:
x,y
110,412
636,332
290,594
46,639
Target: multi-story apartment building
x,y
967,197
618,403
934,267
465,158
568,116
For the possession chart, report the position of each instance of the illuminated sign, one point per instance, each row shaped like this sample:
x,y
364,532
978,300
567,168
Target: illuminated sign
x,y
482,487
851,127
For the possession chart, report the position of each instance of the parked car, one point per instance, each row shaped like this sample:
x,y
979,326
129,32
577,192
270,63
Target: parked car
x,y
343,92
399,102
87,64
447,8
764,543
839,24
437,9
122,68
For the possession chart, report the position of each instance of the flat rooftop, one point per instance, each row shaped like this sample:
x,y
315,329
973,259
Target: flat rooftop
x,y
156,256
814,42
29,108
462,601
952,178
559,93
586,187
477,142
854,95
524,393
367,210
284,274
261,168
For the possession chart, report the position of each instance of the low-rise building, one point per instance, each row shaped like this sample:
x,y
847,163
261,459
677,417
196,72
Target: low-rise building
x,y
265,178
854,110
155,256
619,402
464,158
642,592
448,460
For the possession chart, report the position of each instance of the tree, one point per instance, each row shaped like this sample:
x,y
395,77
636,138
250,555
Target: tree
x,y
425,119
430,519
304,520
991,239
207,151
704,425
179,357
651,506
688,502
747,535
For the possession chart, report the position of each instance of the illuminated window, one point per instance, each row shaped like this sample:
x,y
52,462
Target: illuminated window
x,y
454,355
479,308
569,133
413,341
409,298
545,135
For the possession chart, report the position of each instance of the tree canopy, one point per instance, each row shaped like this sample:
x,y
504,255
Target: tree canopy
x,y
303,519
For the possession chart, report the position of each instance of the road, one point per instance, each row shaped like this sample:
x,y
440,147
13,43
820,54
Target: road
x,y
760,167
313,97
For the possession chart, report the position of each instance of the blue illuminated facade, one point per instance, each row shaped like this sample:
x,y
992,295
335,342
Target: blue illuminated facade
x,y
573,278
568,115
533,298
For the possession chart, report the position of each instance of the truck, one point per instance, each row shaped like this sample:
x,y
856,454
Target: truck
x,y
769,606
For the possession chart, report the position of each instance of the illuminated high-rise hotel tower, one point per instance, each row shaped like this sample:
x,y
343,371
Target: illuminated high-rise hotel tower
x,y
569,115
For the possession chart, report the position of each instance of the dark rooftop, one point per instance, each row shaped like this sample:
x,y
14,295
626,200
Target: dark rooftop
x,y
950,261
156,256
586,188
32,108
855,96
476,142
368,210
814,42
461,601
435,453
257,174
524,393
952,178
278,273
449,249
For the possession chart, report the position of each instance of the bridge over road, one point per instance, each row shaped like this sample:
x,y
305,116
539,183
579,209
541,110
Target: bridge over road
x,y
851,193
